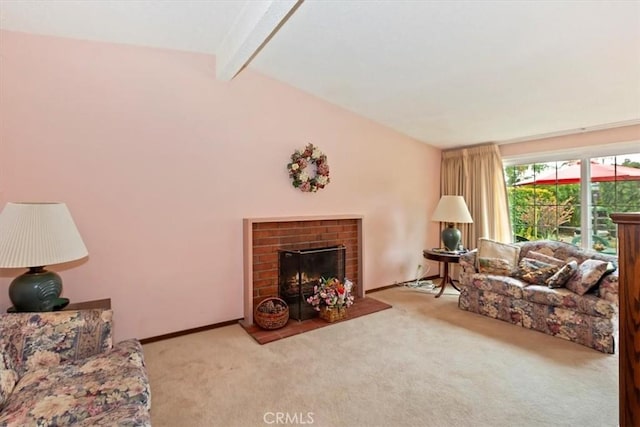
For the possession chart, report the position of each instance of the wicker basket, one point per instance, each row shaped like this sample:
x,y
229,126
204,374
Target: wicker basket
x,y
271,313
333,314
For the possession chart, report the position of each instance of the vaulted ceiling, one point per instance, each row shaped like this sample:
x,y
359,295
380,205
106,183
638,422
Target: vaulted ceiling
x,y
448,73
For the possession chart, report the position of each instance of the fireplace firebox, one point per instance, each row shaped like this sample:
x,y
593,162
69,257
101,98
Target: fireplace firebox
x,y
300,270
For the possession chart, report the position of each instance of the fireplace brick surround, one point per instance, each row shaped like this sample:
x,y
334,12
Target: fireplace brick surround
x,y
263,237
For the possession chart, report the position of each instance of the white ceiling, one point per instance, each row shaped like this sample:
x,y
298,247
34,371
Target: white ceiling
x,y
448,73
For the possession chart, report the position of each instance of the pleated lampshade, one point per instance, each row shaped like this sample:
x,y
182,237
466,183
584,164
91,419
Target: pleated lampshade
x,y
452,209
38,234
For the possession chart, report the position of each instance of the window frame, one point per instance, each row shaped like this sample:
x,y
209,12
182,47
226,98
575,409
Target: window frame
x,y
584,155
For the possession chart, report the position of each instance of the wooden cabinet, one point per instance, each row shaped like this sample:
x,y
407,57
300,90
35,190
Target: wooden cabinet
x,y
629,293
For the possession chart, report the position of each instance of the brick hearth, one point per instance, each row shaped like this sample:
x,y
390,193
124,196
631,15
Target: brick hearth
x,y
364,306
263,237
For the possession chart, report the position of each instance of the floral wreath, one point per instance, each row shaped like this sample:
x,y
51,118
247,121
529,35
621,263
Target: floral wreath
x,y
301,179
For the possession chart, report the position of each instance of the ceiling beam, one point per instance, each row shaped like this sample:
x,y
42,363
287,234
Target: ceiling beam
x,y
256,24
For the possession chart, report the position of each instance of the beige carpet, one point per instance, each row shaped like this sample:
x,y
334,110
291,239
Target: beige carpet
x,y
423,362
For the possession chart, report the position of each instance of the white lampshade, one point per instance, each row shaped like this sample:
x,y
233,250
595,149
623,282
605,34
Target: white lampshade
x,y
452,209
38,234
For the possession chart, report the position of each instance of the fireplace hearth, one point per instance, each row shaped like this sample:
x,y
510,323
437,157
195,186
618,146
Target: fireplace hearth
x,y
300,270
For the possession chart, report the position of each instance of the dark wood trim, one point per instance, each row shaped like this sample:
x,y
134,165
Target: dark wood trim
x,y
625,218
232,322
629,316
101,304
441,256
104,304
188,331
382,288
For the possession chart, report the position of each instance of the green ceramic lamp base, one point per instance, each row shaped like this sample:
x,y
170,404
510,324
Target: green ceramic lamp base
x,y
451,237
37,290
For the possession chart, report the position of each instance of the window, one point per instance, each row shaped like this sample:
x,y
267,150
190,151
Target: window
x,y
548,201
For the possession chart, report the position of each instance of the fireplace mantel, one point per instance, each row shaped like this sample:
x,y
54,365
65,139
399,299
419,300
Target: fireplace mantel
x,y
331,235
301,218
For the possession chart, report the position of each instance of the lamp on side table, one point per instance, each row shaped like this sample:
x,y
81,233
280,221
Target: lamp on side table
x,y
451,209
33,235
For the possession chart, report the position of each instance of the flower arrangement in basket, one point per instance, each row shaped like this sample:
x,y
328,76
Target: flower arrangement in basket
x,y
332,298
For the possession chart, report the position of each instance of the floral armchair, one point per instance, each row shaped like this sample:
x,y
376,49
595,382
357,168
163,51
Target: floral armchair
x,y
60,368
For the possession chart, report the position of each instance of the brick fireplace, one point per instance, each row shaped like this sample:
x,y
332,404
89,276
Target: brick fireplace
x,y
263,237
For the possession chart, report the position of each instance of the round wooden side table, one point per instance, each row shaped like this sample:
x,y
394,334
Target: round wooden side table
x,y
446,258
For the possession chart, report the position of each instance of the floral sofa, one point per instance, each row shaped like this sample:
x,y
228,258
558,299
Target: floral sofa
x,y
60,368
589,319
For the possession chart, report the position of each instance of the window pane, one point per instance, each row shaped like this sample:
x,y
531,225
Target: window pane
x,y
615,188
628,194
545,199
541,204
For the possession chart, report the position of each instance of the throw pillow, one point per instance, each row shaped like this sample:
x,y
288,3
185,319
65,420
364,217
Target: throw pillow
x,y
565,273
499,266
535,272
587,276
488,248
611,267
545,258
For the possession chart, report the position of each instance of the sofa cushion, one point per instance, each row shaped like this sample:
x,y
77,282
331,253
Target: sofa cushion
x,y
493,305
587,276
36,340
535,272
499,266
564,298
488,248
563,275
104,387
503,285
546,258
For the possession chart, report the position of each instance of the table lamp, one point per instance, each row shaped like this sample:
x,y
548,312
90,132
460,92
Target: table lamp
x,y
451,209
33,235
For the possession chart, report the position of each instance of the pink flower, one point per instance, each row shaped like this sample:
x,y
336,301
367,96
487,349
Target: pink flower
x,y
308,150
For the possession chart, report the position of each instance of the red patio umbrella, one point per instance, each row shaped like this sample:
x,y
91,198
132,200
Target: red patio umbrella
x,y
571,175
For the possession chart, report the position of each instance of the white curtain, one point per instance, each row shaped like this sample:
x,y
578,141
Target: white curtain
x,y
477,174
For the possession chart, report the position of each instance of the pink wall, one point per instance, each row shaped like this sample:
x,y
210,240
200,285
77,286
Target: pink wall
x,y
159,162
